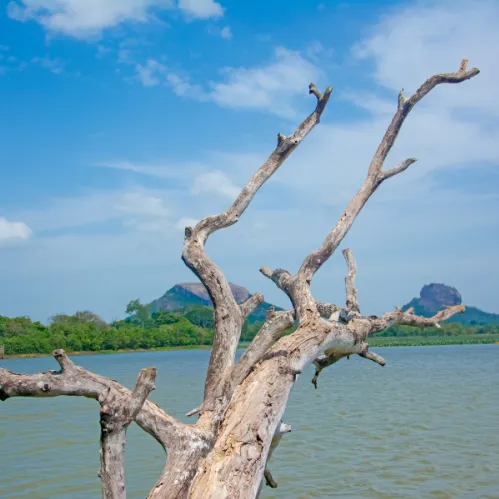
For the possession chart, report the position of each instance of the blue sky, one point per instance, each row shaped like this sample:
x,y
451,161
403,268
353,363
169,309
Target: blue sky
x,y
121,121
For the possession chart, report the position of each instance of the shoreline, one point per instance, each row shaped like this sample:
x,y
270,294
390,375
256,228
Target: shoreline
x,y
380,342
107,352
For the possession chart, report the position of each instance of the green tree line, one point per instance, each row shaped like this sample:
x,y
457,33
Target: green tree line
x,y
86,332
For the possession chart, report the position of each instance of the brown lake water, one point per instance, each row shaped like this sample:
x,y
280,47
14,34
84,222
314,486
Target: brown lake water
x,y
425,426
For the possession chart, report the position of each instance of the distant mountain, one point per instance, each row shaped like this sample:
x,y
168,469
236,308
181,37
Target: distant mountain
x,y
189,294
435,297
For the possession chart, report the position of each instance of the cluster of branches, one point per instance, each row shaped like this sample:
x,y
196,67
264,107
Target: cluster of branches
x,y
224,454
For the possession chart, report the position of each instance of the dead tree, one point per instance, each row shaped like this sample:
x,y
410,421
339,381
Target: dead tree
x,y
224,453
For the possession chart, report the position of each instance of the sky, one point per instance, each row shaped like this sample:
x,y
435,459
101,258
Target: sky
x,y
123,121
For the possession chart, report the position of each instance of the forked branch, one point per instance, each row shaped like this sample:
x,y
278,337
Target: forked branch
x,y
275,327
118,408
376,176
116,415
228,315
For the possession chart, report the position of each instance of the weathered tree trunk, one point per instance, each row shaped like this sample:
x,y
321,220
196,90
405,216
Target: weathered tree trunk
x,y
225,453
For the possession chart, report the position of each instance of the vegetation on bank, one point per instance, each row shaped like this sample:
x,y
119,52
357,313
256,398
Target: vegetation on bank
x,y
189,327
416,341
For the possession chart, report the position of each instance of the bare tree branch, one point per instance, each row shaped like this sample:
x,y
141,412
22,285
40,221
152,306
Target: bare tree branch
x,y
324,361
374,357
328,309
281,430
116,415
408,318
269,479
285,281
195,411
73,380
250,304
275,326
366,354
351,290
395,171
226,453
316,259
282,278
228,316
144,386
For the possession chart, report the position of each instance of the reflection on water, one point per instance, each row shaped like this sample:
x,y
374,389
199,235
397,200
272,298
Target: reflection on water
x,y
426,425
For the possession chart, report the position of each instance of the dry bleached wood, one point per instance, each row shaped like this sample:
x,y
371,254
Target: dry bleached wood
x,y
116,415
228,316
225,454
375,174
119,407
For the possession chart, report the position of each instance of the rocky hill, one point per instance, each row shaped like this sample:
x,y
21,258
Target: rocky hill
x,y
189,294
434,297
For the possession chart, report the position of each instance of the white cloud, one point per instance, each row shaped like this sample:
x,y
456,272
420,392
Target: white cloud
x,y
56,66
215,182
226,32
139,203
154,73
86,18
202,9
181,86
432,37
130,208
271,87
316,49
425,235
405,49
149,74
11,231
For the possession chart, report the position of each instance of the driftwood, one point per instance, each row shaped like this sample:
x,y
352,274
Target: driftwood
x,y
224,453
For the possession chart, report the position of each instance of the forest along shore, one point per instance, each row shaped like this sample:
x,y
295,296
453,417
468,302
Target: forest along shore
x,y
85,333
415,341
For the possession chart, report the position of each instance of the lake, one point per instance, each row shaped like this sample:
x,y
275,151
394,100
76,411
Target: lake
x,y
424,426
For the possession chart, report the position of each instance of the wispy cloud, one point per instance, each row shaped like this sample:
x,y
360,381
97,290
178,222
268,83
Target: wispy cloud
x,y
54,65
215,182
13,231
172,171
224,32
425,38
139,203
272,87
84,18
202,9
130,208
150,73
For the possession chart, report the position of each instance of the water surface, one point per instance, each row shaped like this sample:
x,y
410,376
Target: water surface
x,y
425,426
